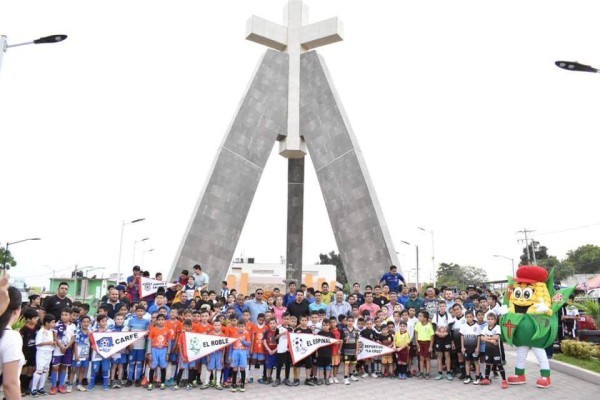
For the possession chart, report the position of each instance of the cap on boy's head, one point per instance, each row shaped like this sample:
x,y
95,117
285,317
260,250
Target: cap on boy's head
x,y
120,288
412,289
471,287
137,268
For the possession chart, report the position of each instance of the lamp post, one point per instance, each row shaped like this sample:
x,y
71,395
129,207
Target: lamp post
x,y
575,66
417,249
46,39
144,255
432,254
512,260
6,266
135,247
123,223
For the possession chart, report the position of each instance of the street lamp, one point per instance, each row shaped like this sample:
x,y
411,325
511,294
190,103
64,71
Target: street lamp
x,y
144,255
6,266
432,253
123,223
135,246
46,39
575,66
417,248
508,258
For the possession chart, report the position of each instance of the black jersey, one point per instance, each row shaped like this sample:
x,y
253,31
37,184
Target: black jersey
x,y
350,341
325,351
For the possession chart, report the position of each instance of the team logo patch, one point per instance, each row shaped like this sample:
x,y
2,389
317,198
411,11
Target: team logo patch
x,y
104,344
298,344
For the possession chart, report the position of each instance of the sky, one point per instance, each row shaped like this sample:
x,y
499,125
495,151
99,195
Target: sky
x,y
467,127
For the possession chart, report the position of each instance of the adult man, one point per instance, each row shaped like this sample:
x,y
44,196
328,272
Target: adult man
x,y
200,278
318,303
239,306
326,295
113,303
183,302
339,306
402,298
431,302
124,297
369,306
393,279
392,304
469,302
54,304
290,296
449,297
299,307
360,299
257,305
133,284
414,300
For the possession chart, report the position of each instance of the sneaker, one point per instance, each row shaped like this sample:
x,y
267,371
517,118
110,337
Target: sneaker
x,y
399,376
69,388
327,382
144,381
374,375
504,385
115,385
467,380
365,375
262,381
150,386
346,381
34,393
80,388
128,383
163,386
477,381
404,376
242,388
309,382
427,376
251,380
137,383
41,392
485,381
204,386
170,382
175,387
90,388
105,388
62,390
335,380
287,382
234,388
353,378
277,382
218,386
320,382
296,382
439,376
449,376
420,376
516,380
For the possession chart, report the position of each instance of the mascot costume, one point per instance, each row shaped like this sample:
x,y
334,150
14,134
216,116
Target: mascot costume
x,y
532,321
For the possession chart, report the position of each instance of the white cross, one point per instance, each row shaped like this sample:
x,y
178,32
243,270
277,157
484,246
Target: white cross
x,y
296,38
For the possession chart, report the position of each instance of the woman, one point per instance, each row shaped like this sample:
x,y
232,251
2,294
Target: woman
x,y
279,309
11,345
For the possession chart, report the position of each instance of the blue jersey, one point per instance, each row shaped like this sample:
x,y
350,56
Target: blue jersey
x,y
392,280
137,325
82,340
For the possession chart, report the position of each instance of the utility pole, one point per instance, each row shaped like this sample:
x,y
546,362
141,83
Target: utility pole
x,y
526,240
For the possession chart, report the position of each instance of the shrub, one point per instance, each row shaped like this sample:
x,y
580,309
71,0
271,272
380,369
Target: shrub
x,y
577,349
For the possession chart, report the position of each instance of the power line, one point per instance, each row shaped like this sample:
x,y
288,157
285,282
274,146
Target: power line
x,y
567,230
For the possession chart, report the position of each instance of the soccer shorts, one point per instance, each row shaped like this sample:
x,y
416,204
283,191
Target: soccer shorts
x,y
493,356
64,359
119,358
271,361
81,363
173,358
349,358
203,361
159,358
42,361
335,360
424,348
239,358
136,355
29,358
324,363
386,359
186,365
215,361
306,363
260,357
402,356
471,355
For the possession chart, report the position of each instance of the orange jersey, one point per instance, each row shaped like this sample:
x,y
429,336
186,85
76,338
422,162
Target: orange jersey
x,y
175,328
181,345
229,331
258,334
159,337
244,336
199,328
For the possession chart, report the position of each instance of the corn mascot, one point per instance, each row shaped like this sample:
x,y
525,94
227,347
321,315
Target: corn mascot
x,y
532,321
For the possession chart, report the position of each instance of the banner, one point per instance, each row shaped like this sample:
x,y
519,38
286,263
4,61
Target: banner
x,y
368,349
108,343
150,286
302,345
198,345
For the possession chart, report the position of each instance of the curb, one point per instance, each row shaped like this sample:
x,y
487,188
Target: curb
x,y
577,372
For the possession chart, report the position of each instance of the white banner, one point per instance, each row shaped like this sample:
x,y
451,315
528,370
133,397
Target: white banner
x,y
108,343
368,349
198,345
150,286
302,345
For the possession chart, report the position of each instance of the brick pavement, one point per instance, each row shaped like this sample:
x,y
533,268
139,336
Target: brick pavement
x,y
563,387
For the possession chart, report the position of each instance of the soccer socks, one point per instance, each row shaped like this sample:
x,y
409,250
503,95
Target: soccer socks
x,y
218,376
234,377
226,374
462,369
61,378
151,378
35,381
53,378
243,373
501,370
163,373
488,368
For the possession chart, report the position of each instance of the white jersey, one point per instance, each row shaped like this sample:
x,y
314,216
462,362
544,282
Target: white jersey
x,y
282,343
315,327
441,320
410,326
44,336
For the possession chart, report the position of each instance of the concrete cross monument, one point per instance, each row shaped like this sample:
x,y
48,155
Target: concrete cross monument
x,y
291,99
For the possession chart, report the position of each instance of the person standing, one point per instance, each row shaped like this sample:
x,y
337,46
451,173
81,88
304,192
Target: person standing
x,y
338,307
200,278
431,302
318,304
326,295
369,306
133,284
393,279
414,300
256,306
299,306
54,304
113,302
11,347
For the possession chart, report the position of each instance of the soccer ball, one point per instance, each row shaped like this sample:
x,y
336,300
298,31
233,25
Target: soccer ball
x,y
298,344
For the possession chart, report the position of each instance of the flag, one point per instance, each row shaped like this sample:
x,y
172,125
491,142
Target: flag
x,y
302,345
368,349
108,343
150,286
198,345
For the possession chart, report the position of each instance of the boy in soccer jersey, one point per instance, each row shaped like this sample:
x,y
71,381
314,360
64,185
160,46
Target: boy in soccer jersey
x,y
270,346
203,326
120,358
28,333
174,326
283,355
402,341
81,353
239,357
491,336
458,321
159,338
335,350
350,337
63,352
257,357
470,337
324,355
482,322
187,370
100,363
44,341
425,337
137,353
369,333
306,362
216,359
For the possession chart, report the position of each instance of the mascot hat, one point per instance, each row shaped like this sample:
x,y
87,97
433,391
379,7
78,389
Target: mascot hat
x,y
531,274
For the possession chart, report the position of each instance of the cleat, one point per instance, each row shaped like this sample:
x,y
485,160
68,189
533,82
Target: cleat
x,y
346,381
277,382
52,390
150,386
163,386
504,385
353,378
485,381
439,377
242,388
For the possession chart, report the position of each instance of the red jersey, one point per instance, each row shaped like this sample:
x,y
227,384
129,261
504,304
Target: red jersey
x,y
244,336
335,348
270,338
258,334
159,337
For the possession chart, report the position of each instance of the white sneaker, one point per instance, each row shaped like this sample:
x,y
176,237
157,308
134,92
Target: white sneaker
x,y
346,381
81,388
374,375
335,380
365,375
330,380
354,379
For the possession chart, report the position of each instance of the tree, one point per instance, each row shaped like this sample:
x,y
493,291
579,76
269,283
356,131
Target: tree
x,y
541,252
456,275
334,258
562,268
585,259
6,259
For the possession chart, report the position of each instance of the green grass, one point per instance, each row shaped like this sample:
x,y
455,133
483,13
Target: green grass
x,y
591,364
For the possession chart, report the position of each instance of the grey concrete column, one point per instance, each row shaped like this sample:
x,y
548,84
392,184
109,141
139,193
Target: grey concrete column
x,y
295,219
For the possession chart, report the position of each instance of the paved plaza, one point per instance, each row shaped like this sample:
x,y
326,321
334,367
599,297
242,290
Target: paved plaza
x,y
563,387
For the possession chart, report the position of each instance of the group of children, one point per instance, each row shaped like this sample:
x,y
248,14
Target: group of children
x,y
464,342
